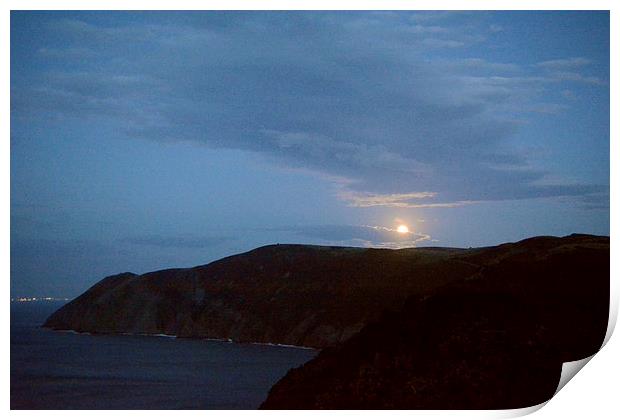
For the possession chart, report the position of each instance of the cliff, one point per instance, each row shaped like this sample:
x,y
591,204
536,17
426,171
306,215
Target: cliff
x,y
291,294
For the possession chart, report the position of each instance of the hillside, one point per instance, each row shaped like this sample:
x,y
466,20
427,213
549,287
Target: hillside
x,y
291,294
494,340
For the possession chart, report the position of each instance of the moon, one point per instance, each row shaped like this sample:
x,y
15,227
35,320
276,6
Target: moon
x,y
402,229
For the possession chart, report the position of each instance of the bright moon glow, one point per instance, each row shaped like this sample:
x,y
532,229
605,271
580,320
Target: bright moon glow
x,y
402,229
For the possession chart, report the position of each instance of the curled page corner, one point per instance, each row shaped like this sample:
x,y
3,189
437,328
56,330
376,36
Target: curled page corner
x,y
569,370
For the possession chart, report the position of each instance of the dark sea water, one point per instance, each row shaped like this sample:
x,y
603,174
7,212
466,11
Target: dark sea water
x,y
64,370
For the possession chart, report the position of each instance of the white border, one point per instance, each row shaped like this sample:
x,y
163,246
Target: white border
x,y
593,394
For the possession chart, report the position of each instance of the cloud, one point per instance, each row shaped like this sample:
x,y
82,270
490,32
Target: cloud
x,y
319,149
476,64
428,29
352,235
575,77
403,200
177,241
562,70
563,64
67,53
548,108
441,43
595,202
360,97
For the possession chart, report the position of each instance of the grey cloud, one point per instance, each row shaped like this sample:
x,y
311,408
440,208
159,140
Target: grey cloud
x,y
81,30
428,29
595,201
177,241
442,43
318,149
475,64
548,108
351,95
564,64
67,53
575,77
569,69
406,200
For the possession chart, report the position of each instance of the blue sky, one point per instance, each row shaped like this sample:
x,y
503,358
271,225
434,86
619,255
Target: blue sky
x,y
142,141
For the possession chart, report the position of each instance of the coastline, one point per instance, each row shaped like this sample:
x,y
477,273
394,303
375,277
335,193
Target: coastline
x,y
223,340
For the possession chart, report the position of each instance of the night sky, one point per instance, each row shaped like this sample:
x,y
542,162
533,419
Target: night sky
x,y
143,141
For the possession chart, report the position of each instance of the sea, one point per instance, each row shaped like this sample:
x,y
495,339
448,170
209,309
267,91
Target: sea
x,y
67,370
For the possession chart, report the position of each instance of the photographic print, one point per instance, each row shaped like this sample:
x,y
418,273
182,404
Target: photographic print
x,y
306,209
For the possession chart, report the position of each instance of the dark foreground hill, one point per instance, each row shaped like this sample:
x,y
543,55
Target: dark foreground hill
x,y
493,340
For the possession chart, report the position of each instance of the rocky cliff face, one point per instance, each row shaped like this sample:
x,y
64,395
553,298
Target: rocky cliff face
x,y
492,340
291,294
